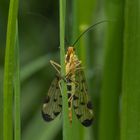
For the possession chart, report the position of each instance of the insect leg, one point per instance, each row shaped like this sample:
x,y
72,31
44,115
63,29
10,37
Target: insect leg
x,y
79,63
70,108
79,68
56,66
59,84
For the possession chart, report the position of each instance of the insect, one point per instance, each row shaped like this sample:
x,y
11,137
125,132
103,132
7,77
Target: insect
x,y
76,90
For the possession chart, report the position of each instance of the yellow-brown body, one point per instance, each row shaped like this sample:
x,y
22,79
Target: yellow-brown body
x,y
71,62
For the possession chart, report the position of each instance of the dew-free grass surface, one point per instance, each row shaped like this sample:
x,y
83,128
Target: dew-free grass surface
x,y
112,72
17,97
66,125
130,114
9,71
81,23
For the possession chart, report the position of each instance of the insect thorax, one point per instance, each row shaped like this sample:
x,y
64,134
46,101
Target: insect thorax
x,y
71,61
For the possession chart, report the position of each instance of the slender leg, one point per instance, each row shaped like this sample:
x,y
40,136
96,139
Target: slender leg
x,y
59,83
80,68
79,63
56,66
77,66
70,108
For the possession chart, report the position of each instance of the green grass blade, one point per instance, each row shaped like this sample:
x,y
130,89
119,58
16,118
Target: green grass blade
x,y
9,71
130,115
66,124
1,105
1,102
112,74
17,125
75,123
82,20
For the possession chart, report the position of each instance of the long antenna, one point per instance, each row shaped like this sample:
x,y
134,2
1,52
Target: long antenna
x,y
88,29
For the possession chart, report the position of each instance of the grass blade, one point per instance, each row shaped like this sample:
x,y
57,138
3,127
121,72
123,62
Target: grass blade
x,y
82,20
66,125
130,116
112,74
17,125
9,71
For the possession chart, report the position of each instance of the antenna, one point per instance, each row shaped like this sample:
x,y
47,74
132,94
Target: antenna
x,y
88,29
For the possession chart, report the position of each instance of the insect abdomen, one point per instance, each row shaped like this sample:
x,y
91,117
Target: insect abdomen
x,y
70,92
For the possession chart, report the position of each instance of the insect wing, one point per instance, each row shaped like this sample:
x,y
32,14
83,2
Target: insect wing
x,y
81,103
53,103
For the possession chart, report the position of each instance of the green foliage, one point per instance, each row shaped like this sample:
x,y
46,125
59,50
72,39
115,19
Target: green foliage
x,y
112,73
130,114
81,23
9,72
66,124
110,58
17,122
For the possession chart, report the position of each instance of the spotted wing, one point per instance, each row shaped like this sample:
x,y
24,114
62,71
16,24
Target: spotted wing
x,y
81,103
53,103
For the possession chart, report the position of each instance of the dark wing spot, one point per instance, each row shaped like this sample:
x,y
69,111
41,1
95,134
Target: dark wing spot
x,y
69,87
55,100
75,107
75,97
69,80
69,104
60,96
83,80
57,87
46,117
87,122
89,105
82,90
47,99
79,116
69,95
60,105
82,103
56,113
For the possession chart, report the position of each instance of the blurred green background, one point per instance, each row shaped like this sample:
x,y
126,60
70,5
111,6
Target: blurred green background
x,y
110,54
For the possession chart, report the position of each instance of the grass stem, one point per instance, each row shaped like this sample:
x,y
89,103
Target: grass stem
x,y
9,70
